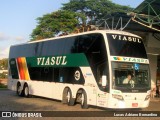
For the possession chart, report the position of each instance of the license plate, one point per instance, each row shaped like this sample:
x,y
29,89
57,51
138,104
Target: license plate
x,y
134,104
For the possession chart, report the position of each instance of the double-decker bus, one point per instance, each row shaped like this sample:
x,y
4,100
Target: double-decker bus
x,y
87,68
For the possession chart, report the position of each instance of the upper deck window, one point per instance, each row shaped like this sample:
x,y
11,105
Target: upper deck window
x,y
124,45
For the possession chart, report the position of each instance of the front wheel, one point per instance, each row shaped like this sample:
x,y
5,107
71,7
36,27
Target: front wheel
x,y
83,101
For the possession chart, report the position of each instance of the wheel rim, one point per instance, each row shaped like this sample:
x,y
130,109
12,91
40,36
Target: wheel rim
x,y
68,96
26,91
82,99
19,90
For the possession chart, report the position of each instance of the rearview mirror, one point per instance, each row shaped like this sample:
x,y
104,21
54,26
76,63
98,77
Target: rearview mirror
x,y
104,80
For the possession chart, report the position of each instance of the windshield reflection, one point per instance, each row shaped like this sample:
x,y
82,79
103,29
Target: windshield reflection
x,y
130,76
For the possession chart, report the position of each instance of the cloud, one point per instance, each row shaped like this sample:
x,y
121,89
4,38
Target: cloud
x,y
6,41
4,52
19,38
3,36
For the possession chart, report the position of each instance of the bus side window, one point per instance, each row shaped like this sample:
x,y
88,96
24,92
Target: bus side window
x,y
13,71
56,74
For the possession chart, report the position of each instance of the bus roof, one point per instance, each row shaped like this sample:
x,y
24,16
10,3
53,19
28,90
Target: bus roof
x,y
82,33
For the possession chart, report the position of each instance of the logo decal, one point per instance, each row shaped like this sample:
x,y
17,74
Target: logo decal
x,y
59,60
126,38
129,59
77,75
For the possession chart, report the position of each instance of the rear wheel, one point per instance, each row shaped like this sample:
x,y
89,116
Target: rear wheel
x,y
26,90
19,90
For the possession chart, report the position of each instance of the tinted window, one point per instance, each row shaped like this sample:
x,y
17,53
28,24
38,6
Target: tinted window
x,y
46,48
71,45
129,46
41,73
92,45
13,68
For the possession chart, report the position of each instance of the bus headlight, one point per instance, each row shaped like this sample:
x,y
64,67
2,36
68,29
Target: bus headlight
x,y
119,97
147,97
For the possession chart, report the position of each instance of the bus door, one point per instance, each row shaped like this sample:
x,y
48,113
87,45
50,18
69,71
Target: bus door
x,y
103,84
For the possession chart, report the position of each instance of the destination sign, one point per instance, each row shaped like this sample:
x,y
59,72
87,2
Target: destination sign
x,y
129,59
127,38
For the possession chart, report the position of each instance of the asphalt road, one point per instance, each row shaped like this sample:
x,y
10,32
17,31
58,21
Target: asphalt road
x,y
9,101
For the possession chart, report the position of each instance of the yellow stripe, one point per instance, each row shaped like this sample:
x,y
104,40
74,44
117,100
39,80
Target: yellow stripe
x,y
26,73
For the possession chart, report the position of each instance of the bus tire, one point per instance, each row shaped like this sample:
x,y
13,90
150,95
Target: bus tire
x,y
64,98
19,91
67,97
83,101
26,90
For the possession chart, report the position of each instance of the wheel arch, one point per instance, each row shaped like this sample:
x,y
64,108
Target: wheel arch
x,y
18,83
74,92
25,84
21,84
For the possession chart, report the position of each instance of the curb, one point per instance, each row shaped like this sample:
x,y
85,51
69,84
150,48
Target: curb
x,y
155,100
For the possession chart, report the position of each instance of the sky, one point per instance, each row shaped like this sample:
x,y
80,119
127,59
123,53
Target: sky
x,y
18,19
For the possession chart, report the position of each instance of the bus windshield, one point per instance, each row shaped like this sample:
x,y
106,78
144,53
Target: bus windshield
x,y
130,76
124,45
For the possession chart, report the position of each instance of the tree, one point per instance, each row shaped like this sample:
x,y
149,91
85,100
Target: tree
x,y
4,64
95,9
61,21
73,14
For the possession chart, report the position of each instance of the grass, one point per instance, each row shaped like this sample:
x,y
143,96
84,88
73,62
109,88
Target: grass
x,y
3,86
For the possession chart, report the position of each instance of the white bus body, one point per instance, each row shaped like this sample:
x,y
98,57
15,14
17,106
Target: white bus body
x,y
88,68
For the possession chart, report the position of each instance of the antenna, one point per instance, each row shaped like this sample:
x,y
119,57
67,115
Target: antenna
x,y
112,22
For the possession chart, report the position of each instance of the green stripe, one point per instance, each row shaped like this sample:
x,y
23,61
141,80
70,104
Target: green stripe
x,y
69,60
